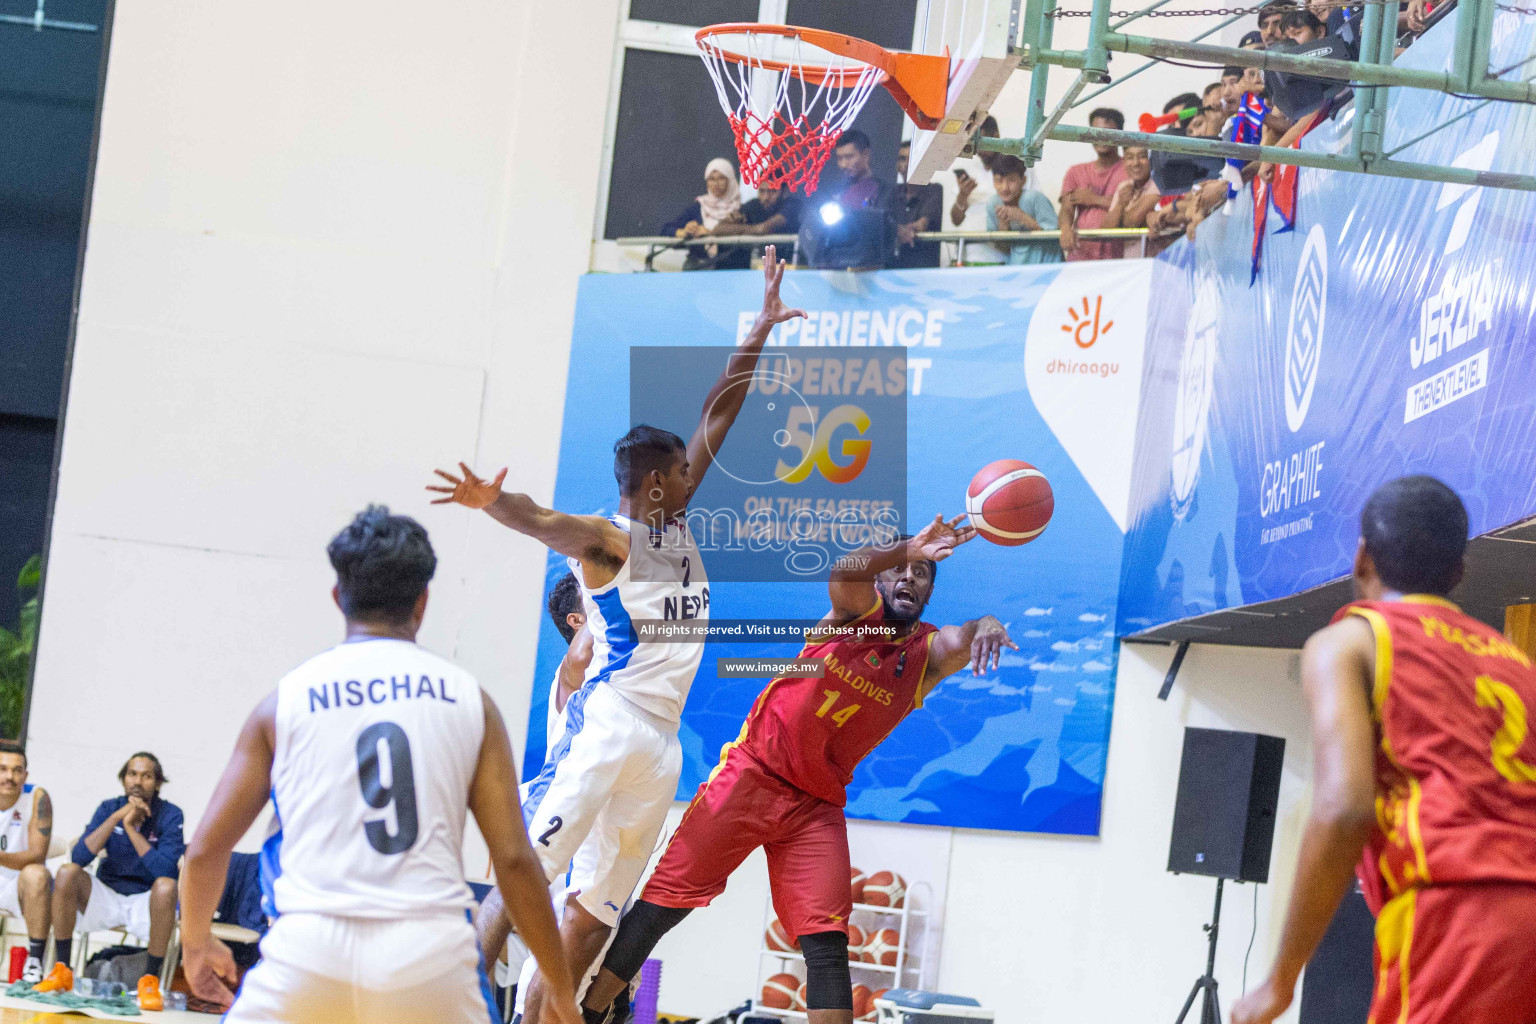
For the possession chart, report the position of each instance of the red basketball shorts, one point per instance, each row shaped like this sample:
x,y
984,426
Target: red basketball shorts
x,y
1457,953
743,807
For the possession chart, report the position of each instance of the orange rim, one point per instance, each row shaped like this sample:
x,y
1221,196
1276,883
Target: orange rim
x,y
918,81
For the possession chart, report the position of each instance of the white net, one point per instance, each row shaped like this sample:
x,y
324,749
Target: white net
x,y
786,122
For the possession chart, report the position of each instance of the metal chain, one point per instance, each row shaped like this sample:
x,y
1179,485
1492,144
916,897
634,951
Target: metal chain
x,y
1225,12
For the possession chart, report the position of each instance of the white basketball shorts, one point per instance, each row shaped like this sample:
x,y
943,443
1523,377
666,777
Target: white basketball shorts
x,y
318,969
602,798
107,908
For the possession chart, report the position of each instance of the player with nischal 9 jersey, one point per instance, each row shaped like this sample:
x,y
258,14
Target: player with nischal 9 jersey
x,y
782,783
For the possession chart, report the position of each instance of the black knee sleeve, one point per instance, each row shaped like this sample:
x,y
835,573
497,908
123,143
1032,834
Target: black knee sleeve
x,y
639,932
828,985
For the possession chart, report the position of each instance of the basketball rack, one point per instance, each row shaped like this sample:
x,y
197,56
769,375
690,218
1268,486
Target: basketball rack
x,y
1372,77
905,973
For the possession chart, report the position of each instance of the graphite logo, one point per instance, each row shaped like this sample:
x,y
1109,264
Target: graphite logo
x,y
1304,336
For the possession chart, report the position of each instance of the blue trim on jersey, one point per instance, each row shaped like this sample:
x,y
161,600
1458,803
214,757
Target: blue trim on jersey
x,y
272,863
622,641
490,996
486,991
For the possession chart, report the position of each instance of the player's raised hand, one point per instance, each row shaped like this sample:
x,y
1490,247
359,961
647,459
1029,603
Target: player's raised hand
x,y
938,540
471,491
774,310
211,972
987,647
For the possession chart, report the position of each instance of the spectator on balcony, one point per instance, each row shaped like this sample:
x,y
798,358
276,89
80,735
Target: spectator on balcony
x,y
775,211
919,208
1186,104
1301,26
1016,207
1210,98
856,230
967,190
1085,194
1251,41
720,204
1135,197
1269,20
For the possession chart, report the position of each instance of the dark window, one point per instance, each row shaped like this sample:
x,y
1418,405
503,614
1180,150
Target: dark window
x,y
887,22
669,126
693,12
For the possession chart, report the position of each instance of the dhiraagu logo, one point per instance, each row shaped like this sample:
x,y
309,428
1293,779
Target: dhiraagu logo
x,y
1304,336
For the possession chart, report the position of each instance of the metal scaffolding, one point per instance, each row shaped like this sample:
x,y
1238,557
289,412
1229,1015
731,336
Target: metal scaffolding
x,y
1373,77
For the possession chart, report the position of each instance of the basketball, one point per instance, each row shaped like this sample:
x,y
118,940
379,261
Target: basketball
x,y
856,940
781,991
779,940
885,889
863,1002
800,998
883,947
858,886
1010,502
878,993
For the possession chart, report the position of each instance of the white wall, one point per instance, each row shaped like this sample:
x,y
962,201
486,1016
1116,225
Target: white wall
x,y
333,246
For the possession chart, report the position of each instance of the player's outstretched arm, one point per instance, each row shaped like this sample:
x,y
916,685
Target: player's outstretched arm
x,y
852,582
238,799
494,802
725,399
1336,670
591,539
977,644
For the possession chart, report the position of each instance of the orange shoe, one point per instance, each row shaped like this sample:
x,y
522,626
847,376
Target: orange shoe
x,y
60,979
149,993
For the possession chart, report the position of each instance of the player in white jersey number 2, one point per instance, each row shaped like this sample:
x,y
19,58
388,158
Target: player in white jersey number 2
x,y
370,752
611,774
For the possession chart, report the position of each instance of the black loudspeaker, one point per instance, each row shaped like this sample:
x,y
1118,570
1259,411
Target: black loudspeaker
x,y
1336,989
1224,820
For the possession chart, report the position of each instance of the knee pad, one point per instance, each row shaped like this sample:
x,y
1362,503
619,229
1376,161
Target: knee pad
x,y
641,929
828,984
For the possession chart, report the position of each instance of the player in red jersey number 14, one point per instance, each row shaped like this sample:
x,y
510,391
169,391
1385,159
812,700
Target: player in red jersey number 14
x,y
782,784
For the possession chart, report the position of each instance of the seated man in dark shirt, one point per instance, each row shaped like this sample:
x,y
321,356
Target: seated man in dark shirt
x,y
134,887
775,211
921,208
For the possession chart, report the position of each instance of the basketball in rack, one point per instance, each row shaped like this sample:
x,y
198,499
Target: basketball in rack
x,y
790,92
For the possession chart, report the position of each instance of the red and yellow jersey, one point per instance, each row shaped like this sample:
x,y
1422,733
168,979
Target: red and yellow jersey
x,y
812,733
1455,767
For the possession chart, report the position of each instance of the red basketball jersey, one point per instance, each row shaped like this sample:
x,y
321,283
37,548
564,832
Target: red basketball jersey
x,y
1455,768
812,733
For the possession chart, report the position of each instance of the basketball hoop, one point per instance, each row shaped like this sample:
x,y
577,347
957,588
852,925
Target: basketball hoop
x,y
787,121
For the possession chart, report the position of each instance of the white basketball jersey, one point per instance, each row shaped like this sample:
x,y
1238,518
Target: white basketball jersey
x,y
377,743
15,821
554,716
663,578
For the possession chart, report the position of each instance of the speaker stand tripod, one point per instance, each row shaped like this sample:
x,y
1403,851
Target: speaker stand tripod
x,y
1205,985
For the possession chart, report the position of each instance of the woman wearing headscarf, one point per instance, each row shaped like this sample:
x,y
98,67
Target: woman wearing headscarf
x,y
720,204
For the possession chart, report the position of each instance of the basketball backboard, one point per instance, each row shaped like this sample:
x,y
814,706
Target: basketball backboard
x,y
982,39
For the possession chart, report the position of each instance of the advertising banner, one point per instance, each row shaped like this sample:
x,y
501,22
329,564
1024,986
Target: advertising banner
x,y
1388,333
874,413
